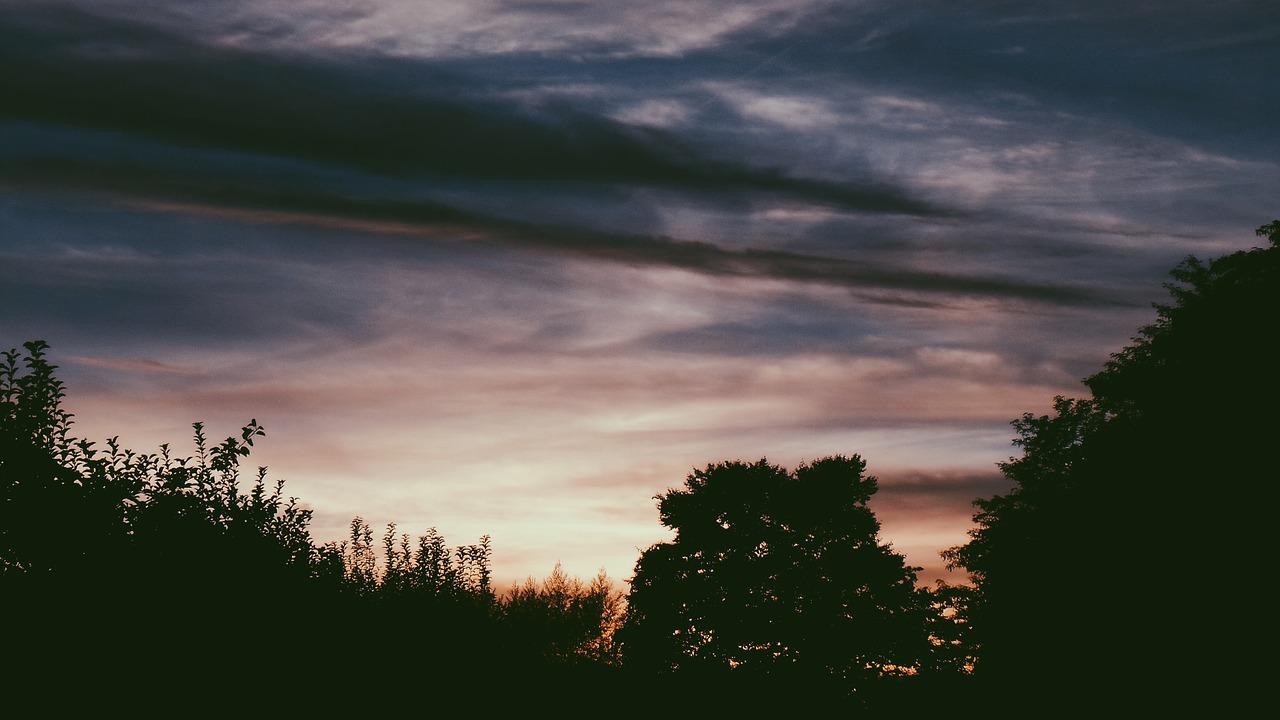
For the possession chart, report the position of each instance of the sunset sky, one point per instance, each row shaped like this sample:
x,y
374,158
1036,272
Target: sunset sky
x,y
514,266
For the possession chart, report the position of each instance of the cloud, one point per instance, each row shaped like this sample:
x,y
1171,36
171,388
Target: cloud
x,y
143,366
922,513
909,492
699,257
397,145
1182,69
655,113
107,75
803,114
171,190
470,28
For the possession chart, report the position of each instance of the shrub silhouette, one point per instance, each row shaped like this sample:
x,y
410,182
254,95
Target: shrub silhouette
x,y
158,572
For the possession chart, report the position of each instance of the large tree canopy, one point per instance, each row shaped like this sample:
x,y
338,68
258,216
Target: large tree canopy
x,y
1124,549
776,572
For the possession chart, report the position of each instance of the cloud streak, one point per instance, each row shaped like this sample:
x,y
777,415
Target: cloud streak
x,y
158,190
101,74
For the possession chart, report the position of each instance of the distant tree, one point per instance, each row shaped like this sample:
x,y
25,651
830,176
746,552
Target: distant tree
x,y
562,619
1166,475
775,573
428,570
954,652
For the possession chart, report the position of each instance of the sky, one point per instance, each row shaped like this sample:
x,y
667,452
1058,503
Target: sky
x,y
513,267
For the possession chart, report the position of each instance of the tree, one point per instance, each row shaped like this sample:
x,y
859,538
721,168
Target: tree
x,y
562,619
1165,475
950,631
775,572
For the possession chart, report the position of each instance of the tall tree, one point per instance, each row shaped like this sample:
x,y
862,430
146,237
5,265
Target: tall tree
x,y
775,572
1164,478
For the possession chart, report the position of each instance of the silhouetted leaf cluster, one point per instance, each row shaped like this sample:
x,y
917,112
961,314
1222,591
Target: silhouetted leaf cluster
x,y
75,513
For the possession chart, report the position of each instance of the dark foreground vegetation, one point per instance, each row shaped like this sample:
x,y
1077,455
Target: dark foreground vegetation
x,y
1121,570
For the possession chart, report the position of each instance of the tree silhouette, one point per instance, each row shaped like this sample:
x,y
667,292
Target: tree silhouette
x,y
564,620
70,511
775,573
133,568
1164,477
159,577
59,512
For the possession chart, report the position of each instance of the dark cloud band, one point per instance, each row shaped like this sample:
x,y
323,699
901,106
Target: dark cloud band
x,y
100,74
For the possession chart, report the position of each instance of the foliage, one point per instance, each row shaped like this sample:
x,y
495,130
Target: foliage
x,y
152,566
563,619
950,608
47,477
71,510
1172,455
775,572
427,570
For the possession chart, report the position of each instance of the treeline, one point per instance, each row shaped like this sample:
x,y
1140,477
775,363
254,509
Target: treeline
x,y
1120,563
122,559
158,565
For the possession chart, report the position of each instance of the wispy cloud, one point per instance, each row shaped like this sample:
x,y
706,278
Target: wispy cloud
x,y
167,189
475,28
173,91
426,220
133,365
